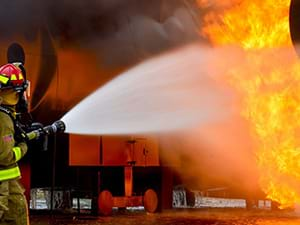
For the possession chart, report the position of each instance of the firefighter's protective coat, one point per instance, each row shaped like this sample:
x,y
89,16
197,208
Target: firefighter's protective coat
x,y
13,206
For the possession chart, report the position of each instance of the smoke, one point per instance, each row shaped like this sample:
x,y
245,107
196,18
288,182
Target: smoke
x,y
218,4
140,30
20,17
213,155
136,28
218,152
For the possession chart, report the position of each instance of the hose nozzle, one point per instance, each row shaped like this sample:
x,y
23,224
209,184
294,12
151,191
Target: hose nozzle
x,y
57,127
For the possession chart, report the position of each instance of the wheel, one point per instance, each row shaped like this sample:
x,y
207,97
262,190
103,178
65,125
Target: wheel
x,y
105,203
150,201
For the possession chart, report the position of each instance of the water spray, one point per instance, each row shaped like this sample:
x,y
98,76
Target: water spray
x,y
173,91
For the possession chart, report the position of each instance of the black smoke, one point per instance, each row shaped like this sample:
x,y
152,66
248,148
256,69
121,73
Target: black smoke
x,y
123,31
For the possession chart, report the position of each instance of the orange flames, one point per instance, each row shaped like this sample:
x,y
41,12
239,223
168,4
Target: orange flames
x,y
269,83
251,24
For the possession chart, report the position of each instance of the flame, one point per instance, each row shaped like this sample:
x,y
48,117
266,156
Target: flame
x,y
252,24
268,82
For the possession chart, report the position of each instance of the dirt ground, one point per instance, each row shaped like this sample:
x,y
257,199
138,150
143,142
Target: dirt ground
x,y
175,217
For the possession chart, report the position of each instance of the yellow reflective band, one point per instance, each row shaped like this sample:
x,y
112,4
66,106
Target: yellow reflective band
x,y
18,153
11,173
21,76
3,79
13,77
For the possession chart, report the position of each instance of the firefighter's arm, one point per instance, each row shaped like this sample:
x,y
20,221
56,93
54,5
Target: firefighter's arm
x,y
19,151
9,152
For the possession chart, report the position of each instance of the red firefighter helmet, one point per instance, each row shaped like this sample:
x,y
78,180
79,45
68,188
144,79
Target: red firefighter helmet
x,y
11,77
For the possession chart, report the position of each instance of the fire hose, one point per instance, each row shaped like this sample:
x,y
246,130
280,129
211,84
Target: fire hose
x,y
36,131
57,127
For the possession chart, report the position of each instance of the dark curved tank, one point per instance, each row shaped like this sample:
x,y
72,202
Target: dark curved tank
x,y
295,22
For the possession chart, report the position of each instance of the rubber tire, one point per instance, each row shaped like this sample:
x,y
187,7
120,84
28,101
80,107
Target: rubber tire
x,y
105,203
150,201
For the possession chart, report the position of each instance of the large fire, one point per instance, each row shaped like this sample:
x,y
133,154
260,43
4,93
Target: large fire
x,y
269,84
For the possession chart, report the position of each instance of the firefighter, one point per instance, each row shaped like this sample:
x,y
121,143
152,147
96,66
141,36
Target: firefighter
x,y
13,205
